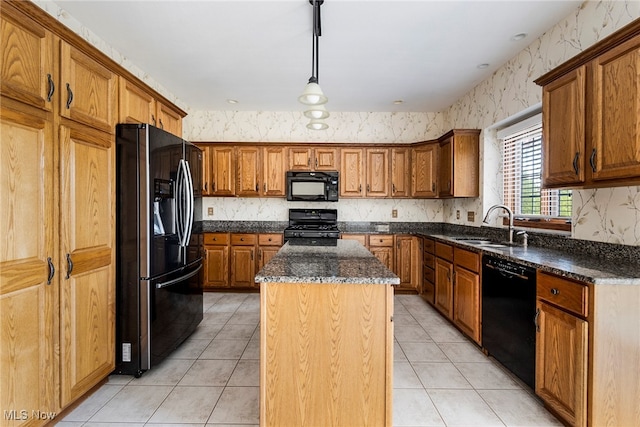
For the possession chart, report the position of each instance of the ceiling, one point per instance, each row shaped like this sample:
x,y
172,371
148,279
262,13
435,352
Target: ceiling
x,y
372,53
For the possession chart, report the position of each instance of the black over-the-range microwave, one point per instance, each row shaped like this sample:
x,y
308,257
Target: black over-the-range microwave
x,y
311,186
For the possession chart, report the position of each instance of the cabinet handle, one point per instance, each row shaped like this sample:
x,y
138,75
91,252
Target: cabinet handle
x,y
265,187
69,96
393,188
433,187
368,187
251,254
52,87
316,163
69,266
257,187
555,291
592,160
161,124
205,187
308,161
575,163
242,239
449,185
535,320
360,188
52,271
153,119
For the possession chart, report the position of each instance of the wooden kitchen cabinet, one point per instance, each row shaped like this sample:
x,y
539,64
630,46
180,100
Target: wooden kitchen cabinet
x,y
243,260
377,172
459,164
248,172
222,171
408,260
29,288
88,90
216,261
381,246
591,125
362,238
352,172
30,47
313,158
466,292
87,292
268,246
400,172
424,170
138,105
428,270
273,171
444,279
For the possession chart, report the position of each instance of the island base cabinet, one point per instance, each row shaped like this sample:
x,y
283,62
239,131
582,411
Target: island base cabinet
x,y
326,355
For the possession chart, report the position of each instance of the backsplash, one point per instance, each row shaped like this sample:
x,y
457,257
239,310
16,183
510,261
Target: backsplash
x,y
605,215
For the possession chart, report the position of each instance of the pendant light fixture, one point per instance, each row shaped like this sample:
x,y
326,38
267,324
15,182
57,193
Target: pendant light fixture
x,y
312,94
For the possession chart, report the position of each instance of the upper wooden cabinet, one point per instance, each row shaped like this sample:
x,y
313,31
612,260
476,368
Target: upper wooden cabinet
x,y
424,169
28,70
222,171
400,172
377,171
352,176
248,175
459,164
313,158
89,90
273,171
591,124
169,118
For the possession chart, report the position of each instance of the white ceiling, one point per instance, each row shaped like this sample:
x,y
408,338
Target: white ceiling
x,y
372,52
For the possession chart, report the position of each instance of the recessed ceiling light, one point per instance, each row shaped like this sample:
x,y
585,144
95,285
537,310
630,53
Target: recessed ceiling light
x,y
483,66
518,37
232,101
398,102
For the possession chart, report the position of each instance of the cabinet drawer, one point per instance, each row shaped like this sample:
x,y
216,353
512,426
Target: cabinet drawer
x,y
216,238
357,237
444,251
270,239
567,294
381,240
429,260
467,259
429,275
244,239
429,245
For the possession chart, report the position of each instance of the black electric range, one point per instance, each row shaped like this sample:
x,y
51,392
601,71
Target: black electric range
x,y
312,227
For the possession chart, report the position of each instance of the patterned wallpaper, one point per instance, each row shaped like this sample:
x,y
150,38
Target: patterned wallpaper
x,y
608,215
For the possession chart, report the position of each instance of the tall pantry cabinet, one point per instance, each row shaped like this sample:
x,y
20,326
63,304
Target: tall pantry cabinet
x,y
57,197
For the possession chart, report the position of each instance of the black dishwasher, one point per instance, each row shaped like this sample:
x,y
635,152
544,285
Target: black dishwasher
x,y
508,311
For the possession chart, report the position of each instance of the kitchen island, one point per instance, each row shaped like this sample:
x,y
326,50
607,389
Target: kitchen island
x,y
326,337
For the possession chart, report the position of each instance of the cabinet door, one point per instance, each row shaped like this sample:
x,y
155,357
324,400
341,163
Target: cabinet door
x,y
377,172
351,172
300,158
563,127
27,72
248,171
561,363
135,104
423,170
217,267
273,171
169,119
616,113
326,159
444,287
243,270
466,302
88,90
400,172
406,266
385,255
87,298
222,171
266,254
445,168
29,230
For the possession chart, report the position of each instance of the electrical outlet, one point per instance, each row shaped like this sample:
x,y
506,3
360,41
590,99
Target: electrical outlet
x,y
471,216
210,211
394,213
458,214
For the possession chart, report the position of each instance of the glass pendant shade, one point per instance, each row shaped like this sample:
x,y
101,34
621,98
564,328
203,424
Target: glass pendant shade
x,y
316,112
312,95
317,124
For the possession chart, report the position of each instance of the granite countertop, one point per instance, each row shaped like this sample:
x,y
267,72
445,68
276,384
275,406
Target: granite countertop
x,y
347,262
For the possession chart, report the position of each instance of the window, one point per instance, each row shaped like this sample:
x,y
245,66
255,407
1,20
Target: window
x,y
532,205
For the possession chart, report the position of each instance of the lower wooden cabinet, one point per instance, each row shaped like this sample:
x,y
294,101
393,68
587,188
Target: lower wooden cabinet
x,y
443,300
216,249
243,260
381,246
428,270
268,247
408,261
466,292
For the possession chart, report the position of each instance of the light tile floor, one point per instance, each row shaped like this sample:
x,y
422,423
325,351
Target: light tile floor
x,y
440,378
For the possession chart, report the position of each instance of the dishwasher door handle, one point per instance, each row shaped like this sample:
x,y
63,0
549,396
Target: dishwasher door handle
x,y
507,272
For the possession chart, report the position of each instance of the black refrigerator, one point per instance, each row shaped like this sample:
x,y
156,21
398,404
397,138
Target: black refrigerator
x,y
158,256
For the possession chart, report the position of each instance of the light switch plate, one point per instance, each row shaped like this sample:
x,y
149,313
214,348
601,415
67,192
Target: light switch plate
x,y
210,211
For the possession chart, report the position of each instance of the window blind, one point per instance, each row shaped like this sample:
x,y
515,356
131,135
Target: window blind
x,y
522,174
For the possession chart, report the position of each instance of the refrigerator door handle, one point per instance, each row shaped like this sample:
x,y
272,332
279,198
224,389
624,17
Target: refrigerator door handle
x,y
179,279
190,204
181,207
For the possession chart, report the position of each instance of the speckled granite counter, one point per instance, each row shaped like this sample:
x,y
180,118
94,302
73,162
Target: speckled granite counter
x,y
348,262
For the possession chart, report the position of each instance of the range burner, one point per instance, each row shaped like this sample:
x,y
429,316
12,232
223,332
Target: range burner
x,y
312,227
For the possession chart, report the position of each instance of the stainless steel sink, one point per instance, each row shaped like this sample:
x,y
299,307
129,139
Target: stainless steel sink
x,y
493,245
480,241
